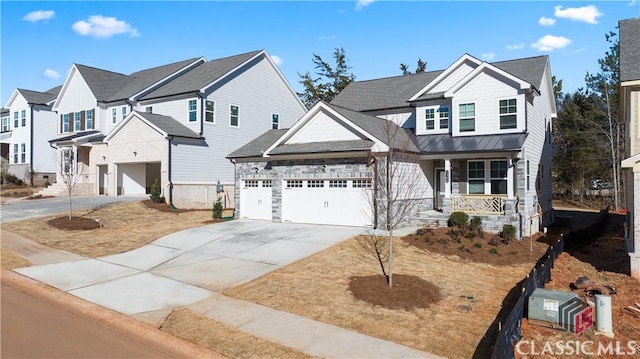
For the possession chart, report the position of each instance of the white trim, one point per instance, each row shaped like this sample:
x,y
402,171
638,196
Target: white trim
x,y
129,118
481,69
464,58
630,83
238,115
205,112
14,94
631,162
179,72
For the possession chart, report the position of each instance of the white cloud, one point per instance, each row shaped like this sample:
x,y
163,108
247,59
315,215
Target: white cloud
x,y
330,37
100,26
276,59
51,74
588,14
632,2
39,15
488,56
519,46
362,4
550,43
545,21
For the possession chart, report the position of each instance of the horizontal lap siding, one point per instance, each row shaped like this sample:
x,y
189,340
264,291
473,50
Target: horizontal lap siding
x,y
77,97
454,77
46,127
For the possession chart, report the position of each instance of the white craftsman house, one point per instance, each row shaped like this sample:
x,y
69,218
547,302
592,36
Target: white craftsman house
x,y
630,113
27,125
479,133
174,123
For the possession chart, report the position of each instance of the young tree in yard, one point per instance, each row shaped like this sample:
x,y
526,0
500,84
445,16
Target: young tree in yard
x,y
330,82
398,186
70,174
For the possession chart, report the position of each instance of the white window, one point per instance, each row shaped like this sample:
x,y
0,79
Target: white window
x,y
23,116
67,161
475,177
508,110
443,115
114,114
364,183
294,184
16,122
124,112
23,153
499,177
15,153
234,119
148,109
65,122
77,118
267,183
467,113
338,184
250,183
315,183
89,117
6,126
275,121
193,110
209,111
430,115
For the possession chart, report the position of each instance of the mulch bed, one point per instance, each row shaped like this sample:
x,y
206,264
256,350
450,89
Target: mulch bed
x,y
409,292
74,224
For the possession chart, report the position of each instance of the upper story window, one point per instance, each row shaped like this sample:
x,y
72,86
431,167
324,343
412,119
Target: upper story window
x,y
234,119
467,115
499,177
15,153
16,122
23,152
23,116
65,122
6,124
124,112
443,114
114,115
77,120
193,107
430,115
275,121
508,110
209,111
89,119
148,109
475,175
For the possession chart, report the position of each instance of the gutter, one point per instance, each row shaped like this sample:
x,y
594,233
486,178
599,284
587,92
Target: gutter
x,y
170,194
201,96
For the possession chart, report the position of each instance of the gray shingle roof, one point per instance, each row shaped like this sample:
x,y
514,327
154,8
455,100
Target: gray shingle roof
x,y
323,147
201,76
394,92
75,135
258,145
35,97
629,49
4,111
168,125
54,91
445,143
102,83
142,79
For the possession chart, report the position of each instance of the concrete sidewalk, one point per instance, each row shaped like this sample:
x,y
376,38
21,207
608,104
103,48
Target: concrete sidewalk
x,y
140,284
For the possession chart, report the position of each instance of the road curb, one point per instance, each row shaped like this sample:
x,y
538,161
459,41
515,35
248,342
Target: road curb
x,y
108,317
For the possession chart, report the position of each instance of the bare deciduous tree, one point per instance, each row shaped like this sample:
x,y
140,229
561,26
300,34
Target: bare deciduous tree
x,y
69,174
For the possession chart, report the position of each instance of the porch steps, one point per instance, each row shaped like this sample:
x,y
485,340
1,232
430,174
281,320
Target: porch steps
x,y
53,190
430,219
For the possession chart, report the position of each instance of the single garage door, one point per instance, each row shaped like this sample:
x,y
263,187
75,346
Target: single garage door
x,y
328,201
255,199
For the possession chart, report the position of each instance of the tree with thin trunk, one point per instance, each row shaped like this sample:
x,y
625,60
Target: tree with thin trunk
x,y
70,174
398,184
330,80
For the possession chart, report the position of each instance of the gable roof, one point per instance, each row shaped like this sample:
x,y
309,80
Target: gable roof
x,y
257,146
395,92
37,98
201,76
102,83
629,49
165,125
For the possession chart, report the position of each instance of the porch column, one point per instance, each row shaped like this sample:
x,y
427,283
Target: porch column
x,y
510,177
447,176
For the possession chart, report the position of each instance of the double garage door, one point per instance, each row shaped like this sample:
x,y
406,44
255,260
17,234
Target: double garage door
x,y
320,201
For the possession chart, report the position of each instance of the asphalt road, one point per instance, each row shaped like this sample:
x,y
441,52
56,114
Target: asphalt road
x,y
34,326
19,209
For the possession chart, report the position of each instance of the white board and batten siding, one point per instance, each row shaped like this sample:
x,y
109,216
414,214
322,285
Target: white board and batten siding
x,y
76,97
321,127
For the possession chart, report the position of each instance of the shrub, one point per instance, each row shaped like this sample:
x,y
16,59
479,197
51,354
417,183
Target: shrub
x,y
476,225
477,245
461,248
156,193
217,209
419,232
508,233
12,179
47,183
493,251
458,219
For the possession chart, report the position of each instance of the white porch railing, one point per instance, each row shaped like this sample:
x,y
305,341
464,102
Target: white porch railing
x,y
478,204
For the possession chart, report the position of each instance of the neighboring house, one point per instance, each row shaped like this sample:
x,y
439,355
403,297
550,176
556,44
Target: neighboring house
x,y
5,137
173,123
26,128
481,132
630,113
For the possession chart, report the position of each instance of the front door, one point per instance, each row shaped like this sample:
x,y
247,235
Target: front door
x,y
440,188
103,178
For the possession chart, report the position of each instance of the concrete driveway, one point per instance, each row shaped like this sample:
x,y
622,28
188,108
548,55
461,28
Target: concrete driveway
x,y
190,265
19,209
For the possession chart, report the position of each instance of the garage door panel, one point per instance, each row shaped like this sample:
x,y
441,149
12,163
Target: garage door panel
x,y
255,199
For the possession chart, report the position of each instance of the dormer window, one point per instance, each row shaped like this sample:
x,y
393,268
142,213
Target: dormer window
x,y
508,110
467,113
77,119
430,115
443,115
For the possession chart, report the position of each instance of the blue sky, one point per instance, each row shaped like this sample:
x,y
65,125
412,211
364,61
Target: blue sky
x,y
41,40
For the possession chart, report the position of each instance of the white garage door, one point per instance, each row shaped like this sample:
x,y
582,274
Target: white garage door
x,y
332,201
255,199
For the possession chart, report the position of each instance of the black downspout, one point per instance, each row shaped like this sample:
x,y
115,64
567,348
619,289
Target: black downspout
x,y
169,138
31,146
201,113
